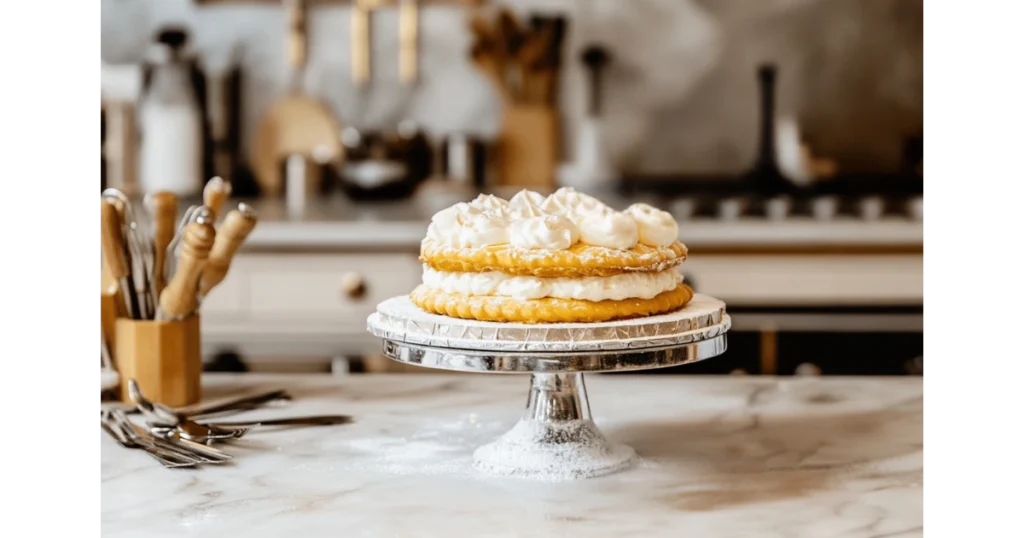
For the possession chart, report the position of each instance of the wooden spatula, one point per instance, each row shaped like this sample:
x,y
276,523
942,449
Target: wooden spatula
x,y
296,124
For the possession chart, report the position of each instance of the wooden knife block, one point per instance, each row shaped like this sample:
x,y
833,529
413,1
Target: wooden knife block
x,y
528,146
164,357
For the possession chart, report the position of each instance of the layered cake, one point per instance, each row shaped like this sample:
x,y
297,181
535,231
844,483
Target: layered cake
x,y
566,257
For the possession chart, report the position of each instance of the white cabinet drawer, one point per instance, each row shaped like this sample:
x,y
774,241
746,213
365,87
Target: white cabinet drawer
x,y
228,298
311,287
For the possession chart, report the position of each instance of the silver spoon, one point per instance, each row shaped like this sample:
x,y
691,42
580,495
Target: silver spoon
x,y
322,420
188,428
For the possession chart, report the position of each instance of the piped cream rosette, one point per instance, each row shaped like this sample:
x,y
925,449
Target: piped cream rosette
x,y
564,258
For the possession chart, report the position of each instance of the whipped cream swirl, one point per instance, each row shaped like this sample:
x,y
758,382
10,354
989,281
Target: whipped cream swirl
x,y
484,230
613,230
549,233
446,225
531,221
491,204
526,204
657,228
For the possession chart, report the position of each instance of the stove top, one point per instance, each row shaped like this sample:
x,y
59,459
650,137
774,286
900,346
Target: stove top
x,y
819,208
867,198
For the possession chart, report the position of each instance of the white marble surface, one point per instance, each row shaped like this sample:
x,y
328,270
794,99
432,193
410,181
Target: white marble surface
x,y
720,456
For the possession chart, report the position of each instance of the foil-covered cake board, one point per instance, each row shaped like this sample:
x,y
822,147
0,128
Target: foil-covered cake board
x,y
399,320
556,439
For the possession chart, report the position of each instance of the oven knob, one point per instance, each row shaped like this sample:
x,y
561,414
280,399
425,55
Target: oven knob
x,y
684,208
778,208
872,208
353,286
807,369
825,207
915,207
914,366
731,208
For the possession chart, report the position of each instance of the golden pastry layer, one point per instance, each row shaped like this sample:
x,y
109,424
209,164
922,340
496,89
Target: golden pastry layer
x,y
576,261
546,310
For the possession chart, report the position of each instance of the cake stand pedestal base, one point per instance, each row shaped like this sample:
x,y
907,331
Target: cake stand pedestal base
x,y
556,437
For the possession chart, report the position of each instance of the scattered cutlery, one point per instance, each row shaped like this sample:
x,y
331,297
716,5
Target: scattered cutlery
x,y
321,420
161,415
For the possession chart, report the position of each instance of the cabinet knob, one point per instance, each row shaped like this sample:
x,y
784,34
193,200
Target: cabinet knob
x,y
914,366
353,286
807,368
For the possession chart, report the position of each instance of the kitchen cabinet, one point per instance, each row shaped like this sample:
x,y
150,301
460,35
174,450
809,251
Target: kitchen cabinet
x,y
317,303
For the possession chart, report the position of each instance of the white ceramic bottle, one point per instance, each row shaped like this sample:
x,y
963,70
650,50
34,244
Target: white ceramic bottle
x,y
170,124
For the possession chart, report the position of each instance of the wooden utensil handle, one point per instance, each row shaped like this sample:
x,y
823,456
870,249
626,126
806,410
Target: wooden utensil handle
x,y
215,194
112,240
296,33
230,237
164,206
408,40
178,299
360,45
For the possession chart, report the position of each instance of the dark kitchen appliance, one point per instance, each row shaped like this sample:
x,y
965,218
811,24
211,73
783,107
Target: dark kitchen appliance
x,y
765,177
384,165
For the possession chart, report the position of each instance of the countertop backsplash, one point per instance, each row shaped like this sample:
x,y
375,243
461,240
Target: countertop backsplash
x,y
681,94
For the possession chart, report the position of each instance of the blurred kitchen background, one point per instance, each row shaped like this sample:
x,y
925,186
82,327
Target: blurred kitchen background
x,y
785,136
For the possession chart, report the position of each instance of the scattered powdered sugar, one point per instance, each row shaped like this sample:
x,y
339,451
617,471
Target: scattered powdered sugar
x,y
532,450
553,451
436,448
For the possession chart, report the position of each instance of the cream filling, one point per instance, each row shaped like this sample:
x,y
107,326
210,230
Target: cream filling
x,y
589,288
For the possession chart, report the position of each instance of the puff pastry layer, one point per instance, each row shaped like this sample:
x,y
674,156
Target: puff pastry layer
x,y
546,310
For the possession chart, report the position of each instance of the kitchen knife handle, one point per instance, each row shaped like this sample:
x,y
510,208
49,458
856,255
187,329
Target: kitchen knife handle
x,y
230,237
408,40
179,300
112,240
296,33
360,45
215,193
164,207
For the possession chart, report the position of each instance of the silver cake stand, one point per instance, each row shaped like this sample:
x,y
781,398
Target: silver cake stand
x,y
556,436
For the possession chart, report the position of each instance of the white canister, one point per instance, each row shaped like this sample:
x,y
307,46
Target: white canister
x,y
171,130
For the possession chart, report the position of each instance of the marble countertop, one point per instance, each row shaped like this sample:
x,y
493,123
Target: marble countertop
x,y
719,456
337,223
